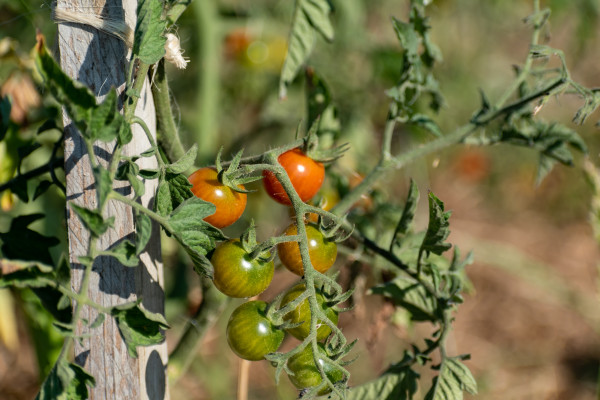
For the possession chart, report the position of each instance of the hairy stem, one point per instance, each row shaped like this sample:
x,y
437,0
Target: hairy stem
x,y
166,130
207,100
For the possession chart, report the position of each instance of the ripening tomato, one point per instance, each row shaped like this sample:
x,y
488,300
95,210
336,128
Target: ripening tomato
x,y
306,374
230,204
236,275
250,334
322,251
328,199
305,173
302,314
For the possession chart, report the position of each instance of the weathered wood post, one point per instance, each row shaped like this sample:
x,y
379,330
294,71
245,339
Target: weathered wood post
x,y
100,62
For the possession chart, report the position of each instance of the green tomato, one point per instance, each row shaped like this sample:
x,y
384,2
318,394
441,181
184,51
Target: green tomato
x,y
236,275
302,314
306,374
250,334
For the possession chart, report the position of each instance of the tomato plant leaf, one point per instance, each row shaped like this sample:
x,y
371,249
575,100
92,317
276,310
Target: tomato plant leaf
x,y
125,253
103,124
408,214
67,381
416,77
195,235
310,17
401,384
103,183
149,173
173,189
22,274
454,378
143,231
320,106
425,122
438,228
185,162
409,294
76,98
92,220
139,327
128,171
149,42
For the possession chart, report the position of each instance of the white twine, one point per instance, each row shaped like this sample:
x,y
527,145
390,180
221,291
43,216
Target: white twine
x,y
122,30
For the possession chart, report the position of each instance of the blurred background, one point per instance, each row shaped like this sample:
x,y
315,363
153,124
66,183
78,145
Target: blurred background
x,y
531,320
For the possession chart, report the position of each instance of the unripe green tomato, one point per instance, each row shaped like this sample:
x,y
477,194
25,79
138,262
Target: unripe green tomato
x,y
302,314
250,334
306,374
236,275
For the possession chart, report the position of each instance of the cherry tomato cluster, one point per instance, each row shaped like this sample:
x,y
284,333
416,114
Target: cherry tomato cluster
x,y
305,174
240,273
252,335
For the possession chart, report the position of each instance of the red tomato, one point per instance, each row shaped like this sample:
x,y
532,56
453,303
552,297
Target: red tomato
x,y
230,204
305,173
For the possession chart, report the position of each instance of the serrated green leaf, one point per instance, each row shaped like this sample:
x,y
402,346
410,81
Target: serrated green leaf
x,y
438,228
103,184
138,326
125,253
195,235
98,321
76,98
409,294
129,171
148,153
426,123
103,124
92,220
310,17
592,102
143,232
173,189
321,108
185,162
149,41
124,134
399,385
545,166
408,213
63,303
149,173
66,381
453,379
23,274
408,38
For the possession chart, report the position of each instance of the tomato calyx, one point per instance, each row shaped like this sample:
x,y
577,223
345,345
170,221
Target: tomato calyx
x,y
333,230
233,177
255,250
311,148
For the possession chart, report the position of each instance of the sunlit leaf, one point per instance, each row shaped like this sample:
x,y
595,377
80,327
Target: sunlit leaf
x,y
138,326
310,17
149,42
